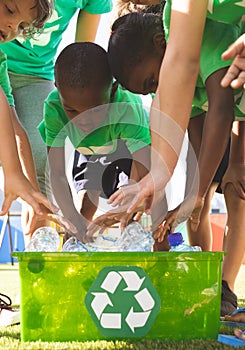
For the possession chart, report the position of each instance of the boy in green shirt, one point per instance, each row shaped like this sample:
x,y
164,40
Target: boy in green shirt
x,y
107,127
31,66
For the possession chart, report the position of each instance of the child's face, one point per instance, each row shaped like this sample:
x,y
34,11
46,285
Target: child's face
x,y
15,15
143,79
80,106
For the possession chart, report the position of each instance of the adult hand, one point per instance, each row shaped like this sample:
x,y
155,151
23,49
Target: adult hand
x,y
235,76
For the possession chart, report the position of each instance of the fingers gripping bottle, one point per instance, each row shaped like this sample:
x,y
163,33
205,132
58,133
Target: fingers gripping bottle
x,y
177,244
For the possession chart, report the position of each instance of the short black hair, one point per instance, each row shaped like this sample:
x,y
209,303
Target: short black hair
x,y
82,65
131,41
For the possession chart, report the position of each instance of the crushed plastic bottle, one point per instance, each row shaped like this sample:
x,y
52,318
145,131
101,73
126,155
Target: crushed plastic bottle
x,y
135,239
177,244
103,243
132,239
44,239
73,245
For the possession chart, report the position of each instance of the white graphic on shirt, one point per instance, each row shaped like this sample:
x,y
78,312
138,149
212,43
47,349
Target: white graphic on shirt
x,y
241,3
44,38
210,6
101,160
237,3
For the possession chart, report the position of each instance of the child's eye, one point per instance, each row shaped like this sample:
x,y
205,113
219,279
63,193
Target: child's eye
x,y
9,10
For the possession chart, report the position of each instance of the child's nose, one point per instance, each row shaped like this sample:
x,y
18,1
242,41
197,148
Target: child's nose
x,y
14,26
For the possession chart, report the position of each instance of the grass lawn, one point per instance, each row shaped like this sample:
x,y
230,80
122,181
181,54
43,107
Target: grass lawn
x,y
10,336
10,340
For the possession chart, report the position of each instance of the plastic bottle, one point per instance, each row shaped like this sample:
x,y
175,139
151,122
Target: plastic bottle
x,y
177,244
132,239
135,239
73,245
44,239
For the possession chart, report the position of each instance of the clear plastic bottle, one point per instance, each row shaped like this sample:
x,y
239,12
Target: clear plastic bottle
x,y
177,244
44,239
132,239
135,239
73,245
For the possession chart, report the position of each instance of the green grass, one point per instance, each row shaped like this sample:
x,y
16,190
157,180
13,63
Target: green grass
x,y
10,336
10,340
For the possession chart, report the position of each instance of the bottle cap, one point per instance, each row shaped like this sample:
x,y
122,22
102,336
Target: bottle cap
x,y
175,239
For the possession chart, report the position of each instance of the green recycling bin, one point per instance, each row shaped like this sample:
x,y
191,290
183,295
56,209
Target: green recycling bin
x,y
90,296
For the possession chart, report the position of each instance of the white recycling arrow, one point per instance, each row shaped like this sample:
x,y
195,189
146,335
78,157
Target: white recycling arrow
x,y
145,299
136,319
132,279
111,321
100,302
111,281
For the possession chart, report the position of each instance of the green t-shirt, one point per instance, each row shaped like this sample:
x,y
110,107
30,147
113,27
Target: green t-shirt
x,y
227,11
36,57
217,37
223,26
4,78
126,119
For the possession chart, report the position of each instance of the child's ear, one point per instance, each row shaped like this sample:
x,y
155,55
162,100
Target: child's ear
x,y
159,42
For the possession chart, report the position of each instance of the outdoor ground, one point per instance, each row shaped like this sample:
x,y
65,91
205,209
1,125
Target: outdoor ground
x,y
10,336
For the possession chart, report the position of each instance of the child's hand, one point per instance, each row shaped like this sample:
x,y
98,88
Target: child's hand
x,y
16,186
82,236
111,218
34,219
167,226
130,197
187,210
235,174
80,224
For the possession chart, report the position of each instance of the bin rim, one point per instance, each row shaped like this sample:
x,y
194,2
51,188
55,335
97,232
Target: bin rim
x,y
119,256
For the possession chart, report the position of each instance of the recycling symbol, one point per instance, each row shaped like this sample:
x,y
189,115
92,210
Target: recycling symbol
x,y
123,302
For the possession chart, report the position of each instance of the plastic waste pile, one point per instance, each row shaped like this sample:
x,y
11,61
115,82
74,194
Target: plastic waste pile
x,y
132,239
